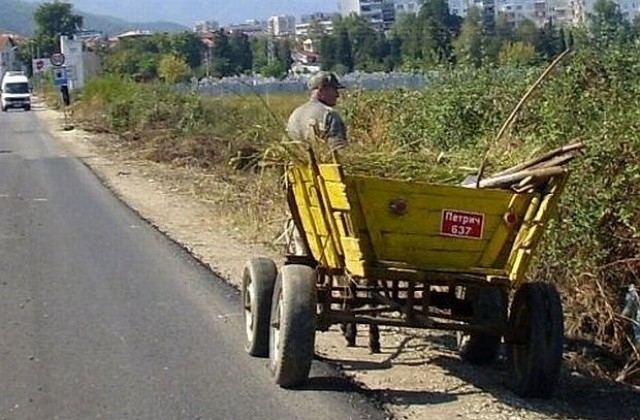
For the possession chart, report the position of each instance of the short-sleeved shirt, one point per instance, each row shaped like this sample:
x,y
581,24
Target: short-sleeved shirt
x,y
316,115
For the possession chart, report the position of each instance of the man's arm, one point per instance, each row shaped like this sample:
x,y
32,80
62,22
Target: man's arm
x,y
335,131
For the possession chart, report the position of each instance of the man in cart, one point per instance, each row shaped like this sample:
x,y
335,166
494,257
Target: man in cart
x,y
316,119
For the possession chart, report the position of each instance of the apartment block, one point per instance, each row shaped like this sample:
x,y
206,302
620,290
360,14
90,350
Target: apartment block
x,y
406,6
323,20
375,11
282,25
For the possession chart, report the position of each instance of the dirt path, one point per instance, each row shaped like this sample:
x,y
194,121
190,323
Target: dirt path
x,y
418,375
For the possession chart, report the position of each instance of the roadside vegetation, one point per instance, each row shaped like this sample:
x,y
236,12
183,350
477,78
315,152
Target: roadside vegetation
x,y
592,248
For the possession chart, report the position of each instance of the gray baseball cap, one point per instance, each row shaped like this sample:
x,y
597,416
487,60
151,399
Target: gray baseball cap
x,y
324,78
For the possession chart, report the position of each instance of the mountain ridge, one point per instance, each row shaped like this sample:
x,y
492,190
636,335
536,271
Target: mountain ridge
x,y
17,17
187,12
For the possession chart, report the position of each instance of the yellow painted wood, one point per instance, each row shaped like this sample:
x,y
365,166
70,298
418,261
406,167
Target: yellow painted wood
x,y
399,187
414,237
349,223
331,172
504,236
417,251
314,224
337,196
303,202
532,233
352,248
327,213
356,267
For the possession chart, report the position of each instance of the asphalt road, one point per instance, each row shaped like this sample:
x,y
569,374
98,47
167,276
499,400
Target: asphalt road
x,y
102,317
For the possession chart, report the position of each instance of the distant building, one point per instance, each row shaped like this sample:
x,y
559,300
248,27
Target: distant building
x,y
380,13
323,21
318,17
8,53
134,34
249,27
372,10
406,6
303,30
203,27
282,25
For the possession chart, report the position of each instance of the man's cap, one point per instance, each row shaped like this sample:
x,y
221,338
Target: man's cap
x,y
322,78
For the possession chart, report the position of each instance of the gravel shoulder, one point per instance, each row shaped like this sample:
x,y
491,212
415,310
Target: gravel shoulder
x,y
418,375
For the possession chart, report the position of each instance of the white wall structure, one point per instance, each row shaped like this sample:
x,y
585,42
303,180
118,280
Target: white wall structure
x,y
406,6
373,10
74,63
282,25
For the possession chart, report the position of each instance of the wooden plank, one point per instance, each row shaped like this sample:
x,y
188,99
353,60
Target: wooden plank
x,y
351,248
337,196
406,250
504,236
398,187
428,243
313,223
424,202
331,172
520,261
356,267
418,222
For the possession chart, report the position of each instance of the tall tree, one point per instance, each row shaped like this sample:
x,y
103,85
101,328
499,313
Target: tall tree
x,y
188,47
468,45
221,54
407,35
52,20
173,69
327,52
344,49
606,22
241,54
440,28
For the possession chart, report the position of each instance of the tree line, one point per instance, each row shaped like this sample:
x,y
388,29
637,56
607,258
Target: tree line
x,y
432,38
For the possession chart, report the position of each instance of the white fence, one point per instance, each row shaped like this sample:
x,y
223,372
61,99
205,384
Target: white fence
x,y
264,86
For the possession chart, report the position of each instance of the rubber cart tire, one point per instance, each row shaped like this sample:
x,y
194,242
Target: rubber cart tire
x,y
258,279
537,334
490,306
293,329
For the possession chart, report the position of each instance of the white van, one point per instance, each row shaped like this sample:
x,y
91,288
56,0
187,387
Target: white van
x,y
15,92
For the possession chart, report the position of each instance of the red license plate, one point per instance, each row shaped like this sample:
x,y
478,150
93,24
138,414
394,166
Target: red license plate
x,y
462,224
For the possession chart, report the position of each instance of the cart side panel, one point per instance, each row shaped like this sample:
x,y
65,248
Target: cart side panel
x,y
347,212
536,219
439,226
312,218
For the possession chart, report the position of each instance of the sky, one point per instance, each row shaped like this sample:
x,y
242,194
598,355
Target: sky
x,y
186,12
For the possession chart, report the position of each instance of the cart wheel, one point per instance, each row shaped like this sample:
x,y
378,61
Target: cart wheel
x,y
258,279
489,307
535,349
293,332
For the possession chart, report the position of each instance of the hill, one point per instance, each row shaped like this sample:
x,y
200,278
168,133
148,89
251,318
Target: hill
x,y
17,16
189,11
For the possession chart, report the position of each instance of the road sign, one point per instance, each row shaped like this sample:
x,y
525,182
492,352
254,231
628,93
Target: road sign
x,y
41,65
57,59
59,77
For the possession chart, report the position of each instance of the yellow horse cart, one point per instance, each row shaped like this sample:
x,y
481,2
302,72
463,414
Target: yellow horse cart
x,y
409,254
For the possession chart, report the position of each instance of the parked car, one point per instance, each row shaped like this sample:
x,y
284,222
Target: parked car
x,y
15,92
